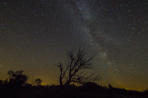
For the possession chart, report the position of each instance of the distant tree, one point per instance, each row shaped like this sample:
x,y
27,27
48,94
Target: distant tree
x,y
73,71
110,86
17,78
1,83
38,81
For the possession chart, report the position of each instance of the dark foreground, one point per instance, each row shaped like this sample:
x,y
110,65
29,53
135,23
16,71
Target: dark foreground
x,y
86,91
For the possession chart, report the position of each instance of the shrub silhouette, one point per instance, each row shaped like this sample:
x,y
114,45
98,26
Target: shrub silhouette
x,y
90,85
38,82
17,78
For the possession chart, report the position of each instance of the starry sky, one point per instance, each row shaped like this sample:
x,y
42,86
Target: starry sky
x,y
35,35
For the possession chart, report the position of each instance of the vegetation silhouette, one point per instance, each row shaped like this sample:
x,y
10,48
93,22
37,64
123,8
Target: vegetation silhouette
x,y
17,78
16,86
74,69
38,82
86,90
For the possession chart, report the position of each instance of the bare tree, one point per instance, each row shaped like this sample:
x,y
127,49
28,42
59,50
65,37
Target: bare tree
x,y
74,69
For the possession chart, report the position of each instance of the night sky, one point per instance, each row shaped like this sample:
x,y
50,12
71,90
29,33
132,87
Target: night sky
x,y
35,34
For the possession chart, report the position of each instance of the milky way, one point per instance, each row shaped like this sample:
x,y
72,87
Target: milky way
x,y
123,39
87,16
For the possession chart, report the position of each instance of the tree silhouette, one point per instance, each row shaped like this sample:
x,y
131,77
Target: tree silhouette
x,y
38,81
73,71
17,78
